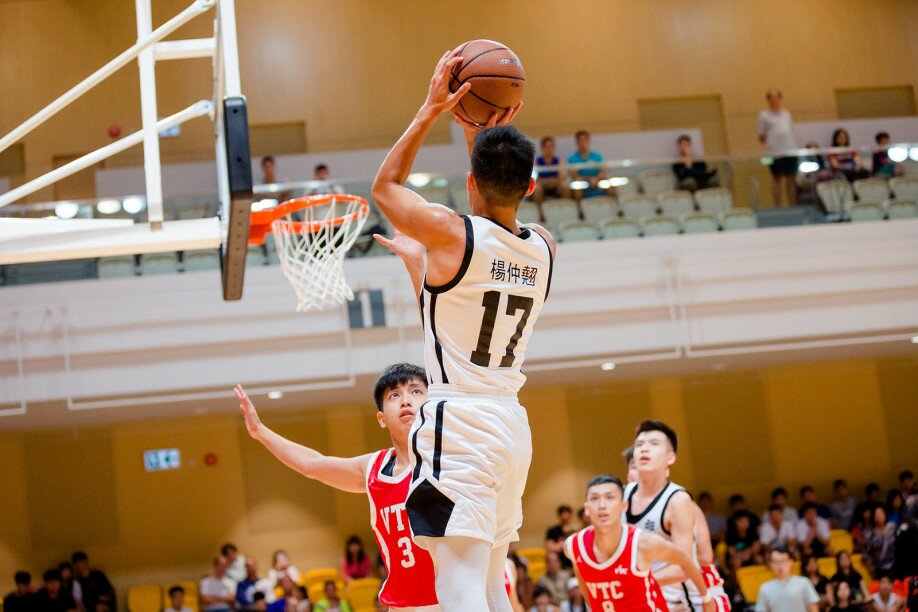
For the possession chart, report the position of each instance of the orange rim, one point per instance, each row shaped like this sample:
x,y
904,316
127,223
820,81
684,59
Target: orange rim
x,y
261,220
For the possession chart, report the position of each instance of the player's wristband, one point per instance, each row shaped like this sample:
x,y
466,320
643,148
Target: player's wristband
x,y
708,597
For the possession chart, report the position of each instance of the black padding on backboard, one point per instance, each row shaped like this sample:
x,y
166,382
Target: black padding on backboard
x,y
239,166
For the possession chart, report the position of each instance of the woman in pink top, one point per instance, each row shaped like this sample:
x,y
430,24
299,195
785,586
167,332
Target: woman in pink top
x,y
356,563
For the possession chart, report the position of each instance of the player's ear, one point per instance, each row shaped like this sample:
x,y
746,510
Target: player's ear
x,y
670,458
470,182
532,186
380,419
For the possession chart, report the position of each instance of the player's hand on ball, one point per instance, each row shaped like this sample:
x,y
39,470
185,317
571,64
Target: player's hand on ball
x,y
252,422
439,99
407,248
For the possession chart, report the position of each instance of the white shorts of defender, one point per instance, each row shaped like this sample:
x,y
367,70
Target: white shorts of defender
x,y
470,455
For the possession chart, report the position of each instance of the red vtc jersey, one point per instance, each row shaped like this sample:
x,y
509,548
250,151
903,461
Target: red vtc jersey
x,y
410,569
615,584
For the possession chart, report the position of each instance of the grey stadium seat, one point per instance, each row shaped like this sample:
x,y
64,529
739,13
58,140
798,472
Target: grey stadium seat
x,y
597,208
676,203
699,223
865,211
739,219
637,206
578,231
660,225
714,200
902,209
559,210
619,228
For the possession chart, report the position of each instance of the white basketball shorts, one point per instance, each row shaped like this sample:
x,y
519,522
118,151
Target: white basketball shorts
x,y
470,455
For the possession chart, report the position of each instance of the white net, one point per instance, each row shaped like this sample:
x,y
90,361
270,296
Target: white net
x,y
311,244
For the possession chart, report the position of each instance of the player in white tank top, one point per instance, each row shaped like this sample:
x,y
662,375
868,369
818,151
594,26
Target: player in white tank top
x,y
485,280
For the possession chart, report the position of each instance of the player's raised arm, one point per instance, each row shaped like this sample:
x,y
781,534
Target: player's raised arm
x,y
344,474
411,253
652,548
430,224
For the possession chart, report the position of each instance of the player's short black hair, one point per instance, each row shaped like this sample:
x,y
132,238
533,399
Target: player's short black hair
x,y
229,546
50,575
79,556
395,375
880,136
605,479
502,162
22,577
546,139
778,491
666,430
179,589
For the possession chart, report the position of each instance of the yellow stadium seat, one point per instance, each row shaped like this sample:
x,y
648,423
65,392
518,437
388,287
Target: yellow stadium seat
x,y
192,601
795,568
362,592
720,553
751,578
536,569
320,576
857,562
145,598
826,566
532,555
840,540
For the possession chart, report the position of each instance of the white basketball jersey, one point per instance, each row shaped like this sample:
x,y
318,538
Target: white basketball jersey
x,y
477,326
651,519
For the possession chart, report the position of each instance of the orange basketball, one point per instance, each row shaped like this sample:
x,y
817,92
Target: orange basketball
x,y
497,78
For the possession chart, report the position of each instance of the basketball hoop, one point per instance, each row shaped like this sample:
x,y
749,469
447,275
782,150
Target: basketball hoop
x,y
312,236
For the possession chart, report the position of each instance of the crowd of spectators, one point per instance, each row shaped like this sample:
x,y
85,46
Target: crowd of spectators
x,y
72,585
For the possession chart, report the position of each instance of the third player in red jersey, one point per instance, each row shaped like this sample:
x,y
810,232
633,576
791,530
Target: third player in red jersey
x,y
612,561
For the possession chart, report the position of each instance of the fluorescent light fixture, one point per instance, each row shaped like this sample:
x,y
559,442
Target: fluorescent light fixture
x,y
264,204
609,365
579,185
108,207
808,166
133,205
604,184
913,154
275,394
67,210
898,154
618,181
914,339
440,182
419,179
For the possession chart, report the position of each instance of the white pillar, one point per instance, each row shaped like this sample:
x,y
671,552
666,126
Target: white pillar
x,y
151,163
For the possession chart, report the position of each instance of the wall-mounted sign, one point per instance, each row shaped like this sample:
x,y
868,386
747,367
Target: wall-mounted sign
x,y
162,459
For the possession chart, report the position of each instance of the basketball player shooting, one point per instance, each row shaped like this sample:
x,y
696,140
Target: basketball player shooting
x,y
486,279
613,561
399,393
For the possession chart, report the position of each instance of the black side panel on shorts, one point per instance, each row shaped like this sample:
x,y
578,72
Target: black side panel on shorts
x,y
438,439
414,447
428,510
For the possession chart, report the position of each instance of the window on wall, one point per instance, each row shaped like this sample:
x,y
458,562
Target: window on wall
x,y
869,102
277,139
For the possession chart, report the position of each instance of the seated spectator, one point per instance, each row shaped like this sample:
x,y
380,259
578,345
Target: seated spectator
x,y
590,175
737,505
554,537
280,567
845,572
776,531
779,498
812,532
51,597
785,592
842,508
555,578
880,542
177,600
322,173
70,583
96,587
717,523
575,601
22,599
846,162
251,584
883,167
300,603
290,601
743,546
583,518
906,482
549,183
332,602
894,506
692,174
843,598
809,569
235,568
542,601
355,563
218,591
884,600
808,495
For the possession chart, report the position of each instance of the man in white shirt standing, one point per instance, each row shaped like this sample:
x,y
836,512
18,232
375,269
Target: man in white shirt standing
x,y
776,132
218,591
786,593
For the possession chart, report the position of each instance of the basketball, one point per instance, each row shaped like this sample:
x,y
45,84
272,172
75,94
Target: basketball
x,y
497,79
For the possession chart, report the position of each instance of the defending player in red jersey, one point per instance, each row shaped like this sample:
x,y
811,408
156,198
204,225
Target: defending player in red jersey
x,y
612,561
384,476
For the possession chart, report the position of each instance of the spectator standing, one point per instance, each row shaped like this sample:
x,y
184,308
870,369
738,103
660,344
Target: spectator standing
x,y
550,183
22,599
884,600
556,534
52,597
96,587
812,532
591,175
882,166
842,508
555,578
281,567
847,162
692,174
808,495
786,593
355,563
809,569
845,572
776,132
177,600
776,532
717,523
235,567
880,542
332,602
218,591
